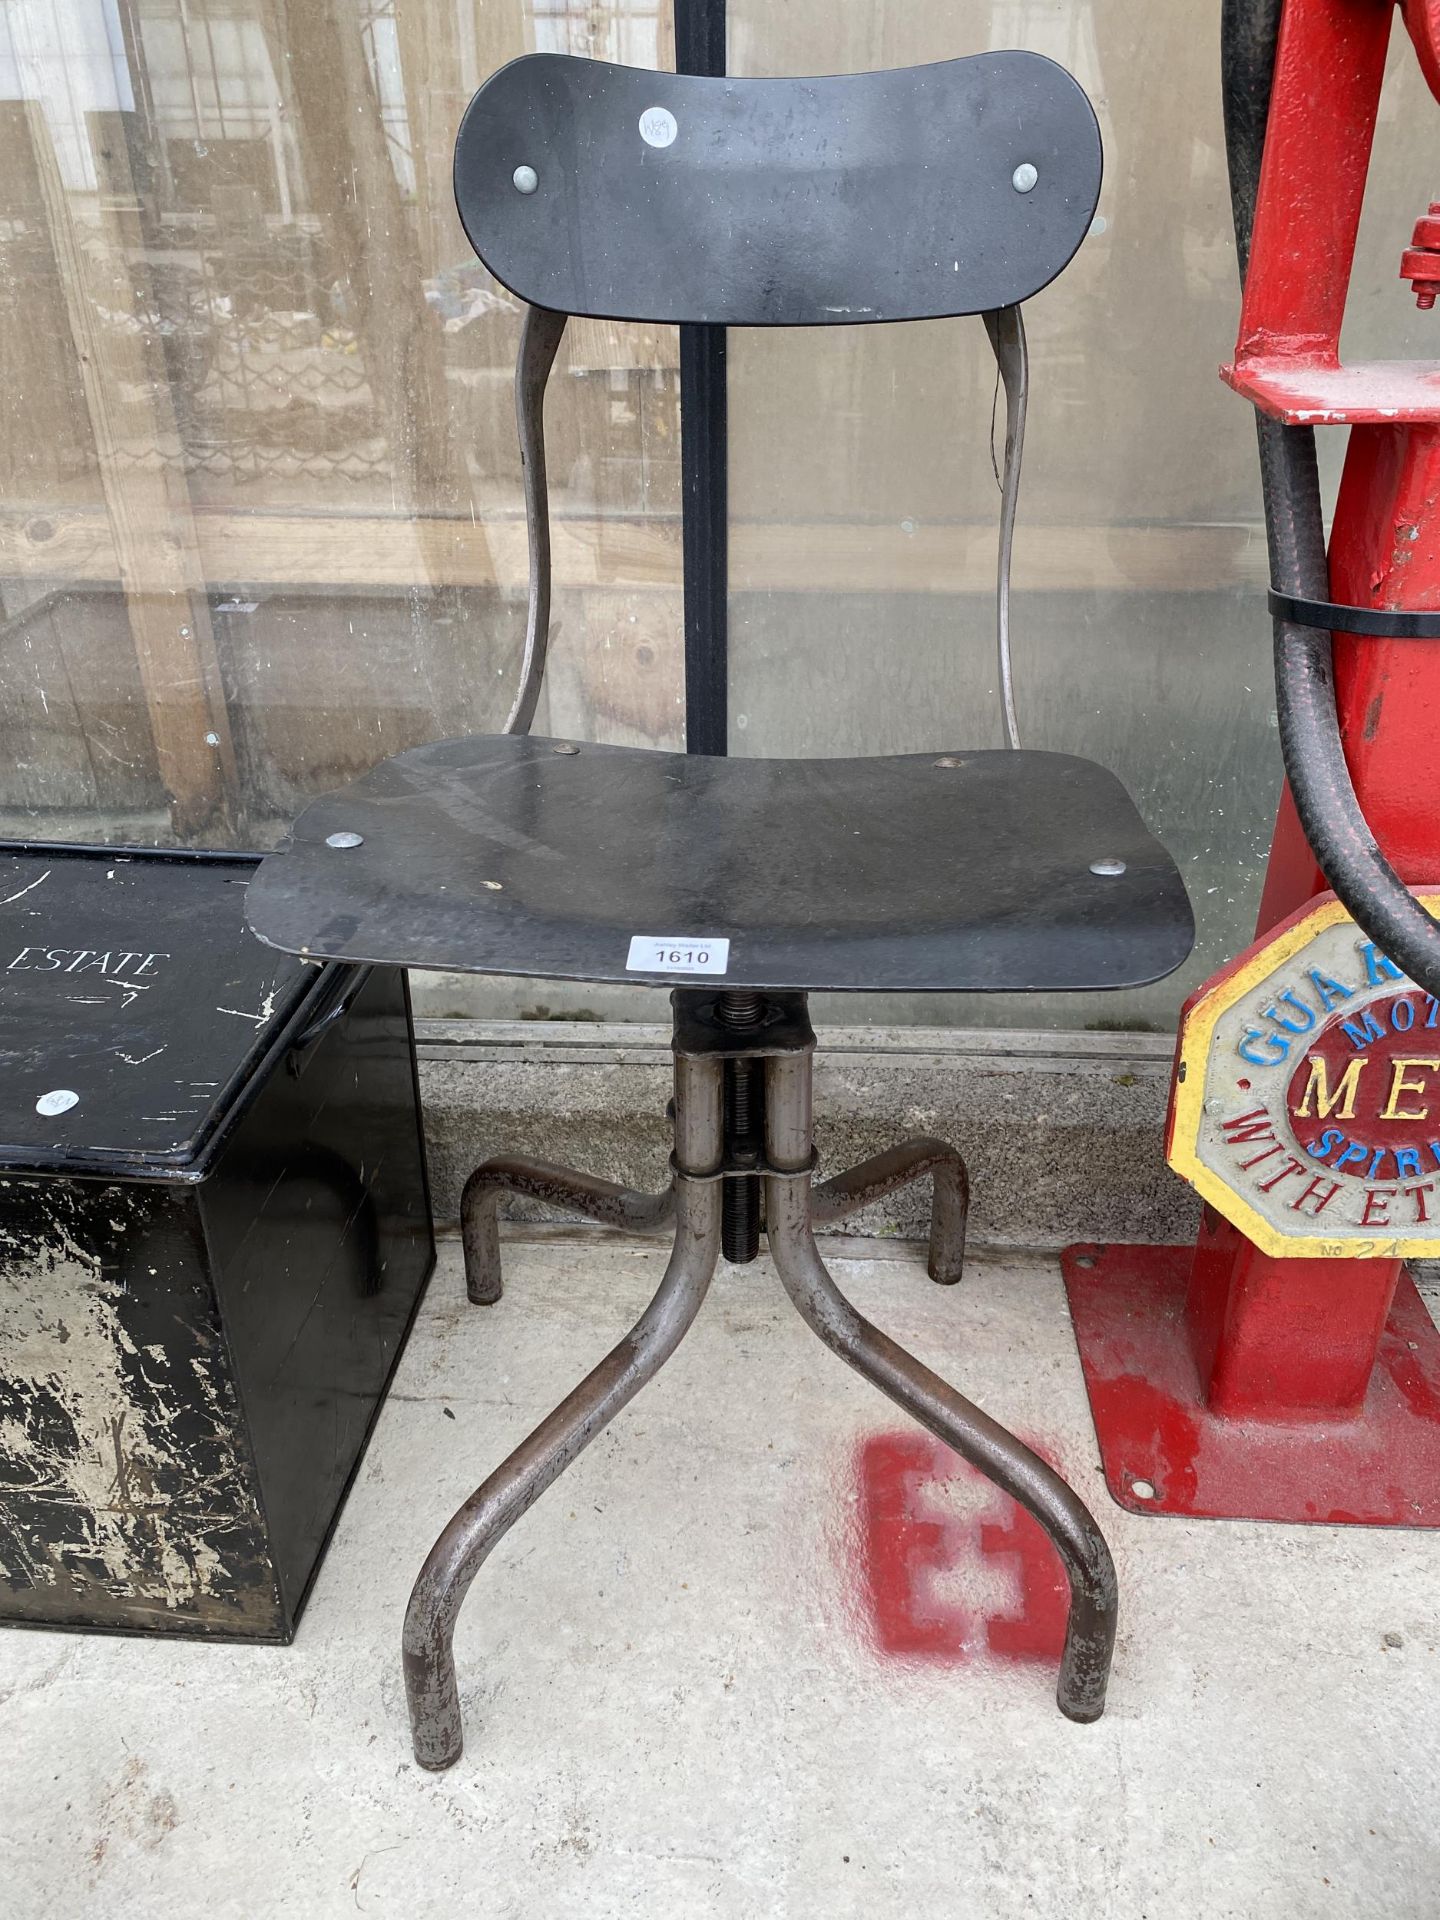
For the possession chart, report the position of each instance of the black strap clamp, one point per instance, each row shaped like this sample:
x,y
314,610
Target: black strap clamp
x,y
1376,623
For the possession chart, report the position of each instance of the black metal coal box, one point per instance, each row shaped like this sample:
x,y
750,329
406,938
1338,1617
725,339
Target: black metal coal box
x,y
214,1231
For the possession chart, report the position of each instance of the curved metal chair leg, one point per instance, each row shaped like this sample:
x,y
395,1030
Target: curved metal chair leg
x,y
1090,1630
490,1512
1090,1633
581,1193
895,1168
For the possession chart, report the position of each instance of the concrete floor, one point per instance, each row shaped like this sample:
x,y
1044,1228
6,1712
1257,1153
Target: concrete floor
x,y
675,1690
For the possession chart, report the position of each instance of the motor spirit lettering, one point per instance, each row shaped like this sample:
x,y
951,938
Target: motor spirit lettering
x,y
1305,1106
1361,1098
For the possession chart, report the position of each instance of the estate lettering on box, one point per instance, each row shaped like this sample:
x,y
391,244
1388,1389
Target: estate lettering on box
x,y
113,965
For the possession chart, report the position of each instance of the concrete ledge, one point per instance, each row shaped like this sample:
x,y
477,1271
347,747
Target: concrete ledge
x,y
1062,1131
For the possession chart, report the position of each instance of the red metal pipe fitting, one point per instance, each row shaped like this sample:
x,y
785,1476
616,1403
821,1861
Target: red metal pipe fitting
x,y
1420,263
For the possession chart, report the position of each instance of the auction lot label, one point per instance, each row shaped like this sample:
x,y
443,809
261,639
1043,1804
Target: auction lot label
x,y
1306,1102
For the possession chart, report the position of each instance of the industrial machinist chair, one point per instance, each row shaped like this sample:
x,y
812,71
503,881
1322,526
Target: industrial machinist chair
x,y
960,188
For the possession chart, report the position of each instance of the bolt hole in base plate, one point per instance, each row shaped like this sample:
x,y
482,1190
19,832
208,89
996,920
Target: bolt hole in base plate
x,y
1379,1469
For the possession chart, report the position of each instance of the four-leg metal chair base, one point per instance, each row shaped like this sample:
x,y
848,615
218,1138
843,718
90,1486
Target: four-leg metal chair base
x,y
714,1151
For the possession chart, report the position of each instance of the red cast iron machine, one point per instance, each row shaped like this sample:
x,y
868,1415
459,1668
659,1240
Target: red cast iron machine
x,y
1284,1368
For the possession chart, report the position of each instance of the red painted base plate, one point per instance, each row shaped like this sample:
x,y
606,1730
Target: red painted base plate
x,y
1381,1469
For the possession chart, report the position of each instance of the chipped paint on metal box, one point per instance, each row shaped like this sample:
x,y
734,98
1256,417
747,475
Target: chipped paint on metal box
x,y
127,1495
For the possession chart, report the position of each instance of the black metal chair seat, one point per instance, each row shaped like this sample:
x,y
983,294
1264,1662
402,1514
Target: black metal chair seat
x,y
509,854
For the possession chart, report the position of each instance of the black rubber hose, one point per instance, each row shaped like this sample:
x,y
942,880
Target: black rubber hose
x,y
1324,794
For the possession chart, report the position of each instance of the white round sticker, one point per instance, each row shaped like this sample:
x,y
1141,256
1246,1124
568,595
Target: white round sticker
x,y
59,1101
657,126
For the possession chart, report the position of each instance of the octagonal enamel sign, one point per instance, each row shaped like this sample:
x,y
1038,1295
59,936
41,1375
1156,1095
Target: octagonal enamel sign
x,y
1306,1101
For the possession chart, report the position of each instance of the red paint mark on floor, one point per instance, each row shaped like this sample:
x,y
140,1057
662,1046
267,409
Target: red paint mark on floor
x,y
951,1567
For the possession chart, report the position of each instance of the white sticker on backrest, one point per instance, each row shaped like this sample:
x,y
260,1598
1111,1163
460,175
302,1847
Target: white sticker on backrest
x,y
677,953
658,127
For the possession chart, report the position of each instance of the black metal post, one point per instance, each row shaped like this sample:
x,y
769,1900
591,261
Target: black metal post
x,y
704,455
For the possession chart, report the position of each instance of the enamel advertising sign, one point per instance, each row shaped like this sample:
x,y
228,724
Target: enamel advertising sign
x,y
1306,1101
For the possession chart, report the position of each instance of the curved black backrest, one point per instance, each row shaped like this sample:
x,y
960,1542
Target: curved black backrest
x,y
862,197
